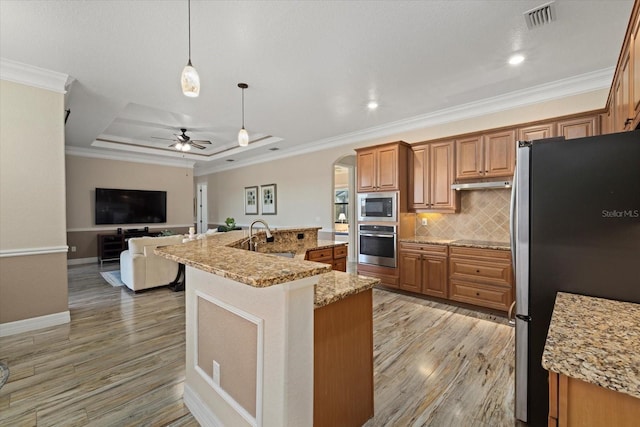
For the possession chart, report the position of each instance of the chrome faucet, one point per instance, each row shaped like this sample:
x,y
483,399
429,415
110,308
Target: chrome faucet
x,y
252,245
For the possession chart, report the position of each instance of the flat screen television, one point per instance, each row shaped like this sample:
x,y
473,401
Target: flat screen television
x,y
114,206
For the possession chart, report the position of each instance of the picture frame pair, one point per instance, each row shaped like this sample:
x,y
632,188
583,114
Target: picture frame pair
x,y
266,197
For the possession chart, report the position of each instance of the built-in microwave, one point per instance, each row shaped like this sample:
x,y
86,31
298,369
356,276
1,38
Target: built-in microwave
x,y
377,206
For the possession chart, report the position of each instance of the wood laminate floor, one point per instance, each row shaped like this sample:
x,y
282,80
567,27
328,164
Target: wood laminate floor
x,y
120,362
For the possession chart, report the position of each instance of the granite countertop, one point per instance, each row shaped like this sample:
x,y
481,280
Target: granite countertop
x,y
337,285
480,244
215,254
595,340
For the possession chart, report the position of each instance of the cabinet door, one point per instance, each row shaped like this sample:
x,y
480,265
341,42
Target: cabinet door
x,y
410,271
419,185
366,171
387,165
441,162
500,153
469,157
531,133
434,276
626,117
579,128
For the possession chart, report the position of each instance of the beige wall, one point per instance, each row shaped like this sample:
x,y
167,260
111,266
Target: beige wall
x,y
305,181
33,275
84,174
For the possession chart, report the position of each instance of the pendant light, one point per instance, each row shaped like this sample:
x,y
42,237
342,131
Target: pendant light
x,y
190,79
243,136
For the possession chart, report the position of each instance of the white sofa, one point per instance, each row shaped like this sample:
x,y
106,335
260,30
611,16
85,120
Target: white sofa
x,y
140,268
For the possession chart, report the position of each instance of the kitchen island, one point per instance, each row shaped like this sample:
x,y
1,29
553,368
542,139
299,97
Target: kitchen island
x,y
592,357
255,324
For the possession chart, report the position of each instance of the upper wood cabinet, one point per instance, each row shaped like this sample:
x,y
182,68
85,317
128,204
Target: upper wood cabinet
x,y
382,168
486,156
580,127
541,131
430,178
624,97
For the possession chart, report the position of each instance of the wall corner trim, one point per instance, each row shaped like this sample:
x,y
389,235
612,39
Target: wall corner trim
x,y
30,75
199,410
31,324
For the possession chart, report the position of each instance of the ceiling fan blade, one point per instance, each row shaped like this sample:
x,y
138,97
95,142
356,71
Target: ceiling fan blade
x,y
173,145
166,139
196,145
202,141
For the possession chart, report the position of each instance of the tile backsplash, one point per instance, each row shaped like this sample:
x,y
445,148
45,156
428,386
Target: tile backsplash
x,y
484,215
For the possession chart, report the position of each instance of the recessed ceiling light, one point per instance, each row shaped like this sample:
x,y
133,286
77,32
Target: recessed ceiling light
x,y
230,160
273,149
372,105
516,59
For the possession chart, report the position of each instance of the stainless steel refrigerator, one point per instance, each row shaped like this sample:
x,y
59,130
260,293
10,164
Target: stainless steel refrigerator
x,y
575,228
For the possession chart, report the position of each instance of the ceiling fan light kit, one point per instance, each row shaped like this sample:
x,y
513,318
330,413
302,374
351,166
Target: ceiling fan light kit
x,y
190,80
243,136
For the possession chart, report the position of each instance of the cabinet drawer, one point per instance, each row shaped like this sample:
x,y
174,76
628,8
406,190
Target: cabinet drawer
x,y
320,255
340,251
493,272
486,254
425,247
339,264
488,296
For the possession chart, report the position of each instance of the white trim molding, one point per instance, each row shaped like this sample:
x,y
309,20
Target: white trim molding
x,y
30,75
97,153
5,253
199,409
27,325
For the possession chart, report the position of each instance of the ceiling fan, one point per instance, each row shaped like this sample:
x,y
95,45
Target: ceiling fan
x,y
183,142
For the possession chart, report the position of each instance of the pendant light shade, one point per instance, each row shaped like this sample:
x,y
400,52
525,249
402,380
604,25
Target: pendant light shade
x,y
190,80
243,136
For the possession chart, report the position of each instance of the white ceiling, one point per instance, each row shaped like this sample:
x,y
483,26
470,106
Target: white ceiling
x,y
311,66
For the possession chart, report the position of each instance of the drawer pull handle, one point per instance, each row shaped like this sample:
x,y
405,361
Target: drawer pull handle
x,y
477,294
477,271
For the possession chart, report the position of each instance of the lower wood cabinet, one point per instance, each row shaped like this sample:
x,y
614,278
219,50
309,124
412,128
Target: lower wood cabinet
x,y
573,402
336,256
423,269
482,277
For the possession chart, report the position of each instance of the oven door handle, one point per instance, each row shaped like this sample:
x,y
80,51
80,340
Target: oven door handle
x,y
390,236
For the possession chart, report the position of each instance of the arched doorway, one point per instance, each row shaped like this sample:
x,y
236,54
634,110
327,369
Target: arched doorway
x,y
344,203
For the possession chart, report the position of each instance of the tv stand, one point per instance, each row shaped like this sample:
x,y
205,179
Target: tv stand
x,y
111,245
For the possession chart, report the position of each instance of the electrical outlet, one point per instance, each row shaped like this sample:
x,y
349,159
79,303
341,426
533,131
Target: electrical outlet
x,y
73,248
424,221
216,373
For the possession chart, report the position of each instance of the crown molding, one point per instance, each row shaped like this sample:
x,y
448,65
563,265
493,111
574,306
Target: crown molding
x,y
30,75
583,83
135,158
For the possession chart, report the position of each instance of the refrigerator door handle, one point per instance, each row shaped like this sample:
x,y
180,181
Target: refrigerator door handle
x,y
512,221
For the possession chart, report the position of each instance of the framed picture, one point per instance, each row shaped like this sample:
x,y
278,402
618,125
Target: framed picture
x,y
268,197
251,200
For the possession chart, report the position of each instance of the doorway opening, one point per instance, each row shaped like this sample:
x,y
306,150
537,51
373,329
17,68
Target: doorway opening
x,y
343,200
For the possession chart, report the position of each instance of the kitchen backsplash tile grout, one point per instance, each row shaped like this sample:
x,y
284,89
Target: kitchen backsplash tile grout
x,y
484,215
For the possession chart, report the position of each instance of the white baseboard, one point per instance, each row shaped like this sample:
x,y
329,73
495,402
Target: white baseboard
x,y
27,325
78,261
199,410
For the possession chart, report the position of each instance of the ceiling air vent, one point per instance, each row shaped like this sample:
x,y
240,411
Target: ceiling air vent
x,y
540,15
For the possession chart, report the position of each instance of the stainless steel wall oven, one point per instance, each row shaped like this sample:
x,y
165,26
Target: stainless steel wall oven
x,y
377,245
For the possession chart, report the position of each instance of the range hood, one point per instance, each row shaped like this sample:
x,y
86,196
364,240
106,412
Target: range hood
x,y
481,185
